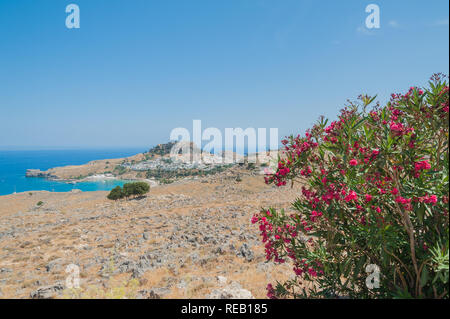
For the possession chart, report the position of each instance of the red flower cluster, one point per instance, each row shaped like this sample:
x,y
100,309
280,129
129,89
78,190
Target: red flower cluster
x,y
420,166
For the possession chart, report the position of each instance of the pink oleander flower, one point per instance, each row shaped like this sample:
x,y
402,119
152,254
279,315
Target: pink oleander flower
x,y
312,272
270,292
430,199
298,271
351,196
353,162
433,199
315,215
396,127
422,165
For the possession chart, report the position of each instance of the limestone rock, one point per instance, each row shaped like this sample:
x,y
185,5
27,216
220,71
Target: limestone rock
x,y
47,292
155,293
233,291
222,280
246,252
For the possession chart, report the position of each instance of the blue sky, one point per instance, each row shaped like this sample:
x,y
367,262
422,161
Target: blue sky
x,y
137,69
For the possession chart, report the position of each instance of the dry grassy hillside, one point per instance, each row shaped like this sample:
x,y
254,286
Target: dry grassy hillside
x,y
174,243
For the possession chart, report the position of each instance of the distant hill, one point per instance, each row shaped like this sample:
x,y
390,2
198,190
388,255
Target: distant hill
x,y
162,149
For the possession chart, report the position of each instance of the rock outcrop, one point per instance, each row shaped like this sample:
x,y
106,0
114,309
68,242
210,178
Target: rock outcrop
x,y
246,252
232,291
47,292
38,173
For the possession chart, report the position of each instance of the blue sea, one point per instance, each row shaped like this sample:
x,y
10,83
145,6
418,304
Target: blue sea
x,y
13,165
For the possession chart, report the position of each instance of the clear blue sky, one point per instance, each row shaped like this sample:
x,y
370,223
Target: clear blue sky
x,y
137,69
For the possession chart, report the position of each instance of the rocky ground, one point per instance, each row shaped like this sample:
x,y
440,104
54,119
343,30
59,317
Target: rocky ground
x,y
189,239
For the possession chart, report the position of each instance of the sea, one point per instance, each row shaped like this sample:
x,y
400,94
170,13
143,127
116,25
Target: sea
x,y
14,163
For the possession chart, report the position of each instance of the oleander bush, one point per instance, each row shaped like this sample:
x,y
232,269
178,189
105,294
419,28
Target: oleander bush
x,y
371,220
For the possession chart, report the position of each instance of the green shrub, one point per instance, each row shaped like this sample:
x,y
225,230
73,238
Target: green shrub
x,y
128,190
120,170
136,189
116,193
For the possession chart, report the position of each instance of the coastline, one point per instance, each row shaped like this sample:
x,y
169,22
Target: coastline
x,y
67,168
97,169
154,167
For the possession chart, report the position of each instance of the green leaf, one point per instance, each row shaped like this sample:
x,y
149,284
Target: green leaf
x,y
359,266
424,277
420,213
